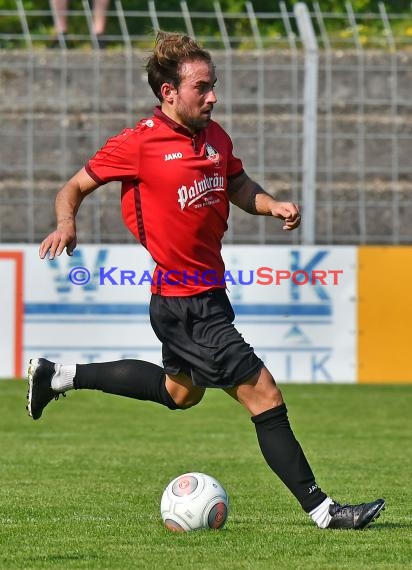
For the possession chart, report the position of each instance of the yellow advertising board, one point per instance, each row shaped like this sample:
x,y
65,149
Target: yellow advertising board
x,y
384,314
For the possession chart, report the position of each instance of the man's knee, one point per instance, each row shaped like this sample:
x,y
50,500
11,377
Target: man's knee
x,y
272,399
265,400
186,401
182,391
259,393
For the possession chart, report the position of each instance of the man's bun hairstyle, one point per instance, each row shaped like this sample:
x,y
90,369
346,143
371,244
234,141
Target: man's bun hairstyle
x,y
171,50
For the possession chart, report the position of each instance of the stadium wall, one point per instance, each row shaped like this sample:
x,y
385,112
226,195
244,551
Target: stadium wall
x,y
57,107
314,314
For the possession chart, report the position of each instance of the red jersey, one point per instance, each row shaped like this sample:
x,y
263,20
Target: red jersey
x,y
174,197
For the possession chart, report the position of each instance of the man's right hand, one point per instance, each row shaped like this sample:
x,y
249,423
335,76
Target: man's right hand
x,y
68,201
59,240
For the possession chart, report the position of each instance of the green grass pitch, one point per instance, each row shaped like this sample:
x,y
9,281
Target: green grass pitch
x,y
81,487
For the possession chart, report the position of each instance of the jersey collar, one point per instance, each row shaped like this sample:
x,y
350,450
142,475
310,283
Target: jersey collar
x,y
157,112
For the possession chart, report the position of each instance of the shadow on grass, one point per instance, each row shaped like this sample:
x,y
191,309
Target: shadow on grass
x,y
63,556
391,525
372,528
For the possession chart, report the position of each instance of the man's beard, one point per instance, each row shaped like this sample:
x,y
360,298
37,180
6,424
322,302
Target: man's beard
x,y
192,123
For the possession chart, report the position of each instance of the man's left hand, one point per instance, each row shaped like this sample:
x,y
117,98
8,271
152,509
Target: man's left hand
x,y
288,212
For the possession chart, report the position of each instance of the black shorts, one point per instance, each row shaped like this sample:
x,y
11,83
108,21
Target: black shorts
x,y
198,337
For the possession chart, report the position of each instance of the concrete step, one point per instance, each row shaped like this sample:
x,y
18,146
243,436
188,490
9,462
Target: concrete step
x,y
57,145
86,80
383,208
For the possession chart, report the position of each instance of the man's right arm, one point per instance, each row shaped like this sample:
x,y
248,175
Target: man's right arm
x,y
68,201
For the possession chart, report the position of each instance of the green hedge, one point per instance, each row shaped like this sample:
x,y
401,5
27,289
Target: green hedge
x,y
369,29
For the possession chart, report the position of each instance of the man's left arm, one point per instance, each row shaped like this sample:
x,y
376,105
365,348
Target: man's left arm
x,y
250,197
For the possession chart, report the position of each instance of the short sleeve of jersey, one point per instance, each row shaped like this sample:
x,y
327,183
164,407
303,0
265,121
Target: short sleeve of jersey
x,y
234,164
118,159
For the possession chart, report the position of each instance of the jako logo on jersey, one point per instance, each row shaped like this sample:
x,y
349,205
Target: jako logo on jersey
x,y
173,155
187,196
212,154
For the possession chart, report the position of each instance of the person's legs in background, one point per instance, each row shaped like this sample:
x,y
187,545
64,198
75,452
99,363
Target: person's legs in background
x,y
59,8
99,16
60,15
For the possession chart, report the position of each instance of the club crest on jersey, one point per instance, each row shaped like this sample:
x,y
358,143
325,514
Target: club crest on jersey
x,y
212,154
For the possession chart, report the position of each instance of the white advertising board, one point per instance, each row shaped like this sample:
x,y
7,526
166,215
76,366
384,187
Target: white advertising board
x,y
10,314
93,306
300,315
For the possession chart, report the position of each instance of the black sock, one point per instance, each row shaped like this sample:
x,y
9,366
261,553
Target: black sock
x,y
285,456
131,378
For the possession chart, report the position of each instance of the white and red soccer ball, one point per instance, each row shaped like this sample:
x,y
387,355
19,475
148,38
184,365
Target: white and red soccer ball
x,y
194,501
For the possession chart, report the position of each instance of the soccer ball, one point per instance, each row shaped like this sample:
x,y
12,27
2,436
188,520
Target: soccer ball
x,y
194,501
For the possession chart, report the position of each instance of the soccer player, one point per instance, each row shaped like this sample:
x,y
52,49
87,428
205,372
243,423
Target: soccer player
x,y
178,176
